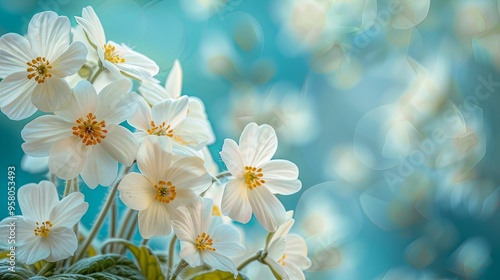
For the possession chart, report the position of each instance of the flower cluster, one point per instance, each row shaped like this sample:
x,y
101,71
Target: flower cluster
x,y
83,135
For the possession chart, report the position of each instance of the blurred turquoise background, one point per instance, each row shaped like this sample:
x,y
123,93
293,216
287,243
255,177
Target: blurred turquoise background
x,y
357,91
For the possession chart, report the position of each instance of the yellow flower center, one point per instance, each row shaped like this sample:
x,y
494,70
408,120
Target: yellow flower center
x,y
253,177
111,55
43,230
39,69
216,211
204,242
282,260
91,131
165,191
160,130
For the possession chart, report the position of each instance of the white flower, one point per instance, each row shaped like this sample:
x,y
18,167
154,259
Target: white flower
x,y
116,58
287,253
205,239
168,118
166,183
33,67
44,231
86,138
154,93
257,177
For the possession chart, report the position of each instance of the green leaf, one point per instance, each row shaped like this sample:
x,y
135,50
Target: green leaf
x,y
69,277
109,266
218,275
18,273
147,261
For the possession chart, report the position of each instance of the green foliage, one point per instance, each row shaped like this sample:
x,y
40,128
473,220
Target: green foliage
x,y
147,261
112,267
218,275
20,272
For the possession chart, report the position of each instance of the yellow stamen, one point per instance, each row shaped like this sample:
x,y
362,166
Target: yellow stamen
x,y
43,230
160,130
216,211
39,69
282,260
111,55
91,131
253,177
204,242
165,191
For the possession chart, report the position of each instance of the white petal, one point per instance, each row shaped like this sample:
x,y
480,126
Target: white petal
x,y
235,203
219,262
113,70
193,133
155,220
14,53
190,254
36,250
280,169
15,96
52,95
258,144
206,206
116,102
154,157
285,187
49,34
267,208
171,111
278,268
276,249
23,230
231,157
92,26
136,191
120,144
173,84
136,65
296,251
41,133
189,173
69,210
83,102
293,271
227,241
283,229
70,61
153,92
100,168
36,201
67,157
183,225
63,244
142,117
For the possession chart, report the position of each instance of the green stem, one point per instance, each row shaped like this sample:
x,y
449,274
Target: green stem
x,y
67,188
112,224
53,179
75,185
96,74
268,239
48,268
171,249
102,216
144,242
256,257
180,267
131,228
